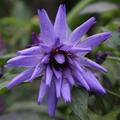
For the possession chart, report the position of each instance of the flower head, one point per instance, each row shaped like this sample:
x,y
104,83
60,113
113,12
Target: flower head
x,y
60,59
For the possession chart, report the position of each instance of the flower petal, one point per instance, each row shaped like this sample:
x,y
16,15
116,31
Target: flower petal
x,y
24,61
60,58
60,26
90,63
81,30
36,72
66,91
57,73
58,85
45,48
79,50
45,59
69,77
20,78
81,80
58,81
46,27
93,83
30,51
56,43
42,91
52,100
49,75
95,40
66,47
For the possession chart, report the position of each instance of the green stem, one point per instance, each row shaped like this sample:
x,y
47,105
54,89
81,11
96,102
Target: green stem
x,y
75,11
112,93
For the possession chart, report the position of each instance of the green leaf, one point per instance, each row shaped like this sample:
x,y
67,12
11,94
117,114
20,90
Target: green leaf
x,y
79,104
31,106
114,41
113,115
27,105
94,116
96,8
4,58
113,65
20,10
2,87
75,11
24,115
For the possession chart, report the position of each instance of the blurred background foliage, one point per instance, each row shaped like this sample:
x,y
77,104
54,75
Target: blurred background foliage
x,y
18,19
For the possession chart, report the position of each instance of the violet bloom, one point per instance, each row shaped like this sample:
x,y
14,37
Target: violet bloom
x,y
60,59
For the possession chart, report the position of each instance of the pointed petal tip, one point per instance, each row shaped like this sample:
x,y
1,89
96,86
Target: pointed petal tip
x,y
39,102
101,91
38,11
6,66
47,84
68,100
105,70
87,88
93,18
10,60
62,6
108,34
41,10
104,91
7,86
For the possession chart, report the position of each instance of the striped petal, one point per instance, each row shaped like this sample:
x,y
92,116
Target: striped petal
x,y
42,91
46,27
30,51
66,91
81,30
69,77
45,48
79,50
36,72
57,73
45,59
52,100
49,75
24,61
92,64
20,78
81,80
95,40
93,83
58,85
60,26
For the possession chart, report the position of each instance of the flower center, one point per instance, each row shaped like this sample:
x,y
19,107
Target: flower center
x,y
59,59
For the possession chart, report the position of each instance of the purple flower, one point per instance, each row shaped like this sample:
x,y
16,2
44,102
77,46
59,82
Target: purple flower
x,y
60,58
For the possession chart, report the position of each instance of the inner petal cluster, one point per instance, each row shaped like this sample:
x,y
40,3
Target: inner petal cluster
x,y
59,58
